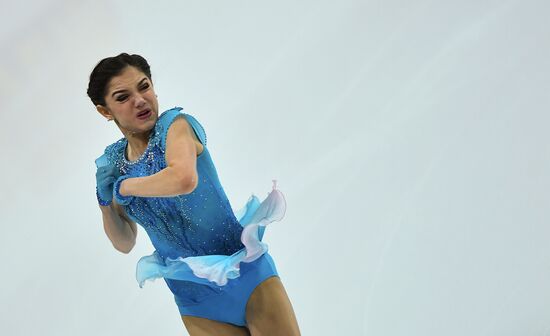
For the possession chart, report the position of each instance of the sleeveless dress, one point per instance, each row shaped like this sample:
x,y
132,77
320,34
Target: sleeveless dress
x,y
210,256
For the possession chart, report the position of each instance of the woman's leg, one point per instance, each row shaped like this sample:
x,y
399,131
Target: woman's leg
x,y
269,311
198,326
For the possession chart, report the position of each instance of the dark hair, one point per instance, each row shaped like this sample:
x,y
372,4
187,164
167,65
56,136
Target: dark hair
x,y
110,67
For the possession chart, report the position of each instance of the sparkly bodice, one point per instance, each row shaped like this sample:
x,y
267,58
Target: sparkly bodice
x,y
199,223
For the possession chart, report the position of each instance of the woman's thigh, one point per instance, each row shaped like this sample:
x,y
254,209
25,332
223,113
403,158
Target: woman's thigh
x,y
198,326
269,311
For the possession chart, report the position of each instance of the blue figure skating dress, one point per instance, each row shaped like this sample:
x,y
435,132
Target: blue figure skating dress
x,y
210,256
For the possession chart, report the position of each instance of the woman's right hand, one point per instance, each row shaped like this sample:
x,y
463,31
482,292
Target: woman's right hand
x,y
105,179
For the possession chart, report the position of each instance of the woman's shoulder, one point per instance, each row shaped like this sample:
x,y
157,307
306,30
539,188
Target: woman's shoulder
x,y
167,118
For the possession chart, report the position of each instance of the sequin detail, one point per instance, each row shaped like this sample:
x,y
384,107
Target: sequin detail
x,y
217,270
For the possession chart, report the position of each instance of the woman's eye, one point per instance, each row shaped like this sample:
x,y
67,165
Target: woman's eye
x,y
122,97
145,86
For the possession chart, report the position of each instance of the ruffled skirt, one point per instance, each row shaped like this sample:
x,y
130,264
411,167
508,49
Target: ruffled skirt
x,y
216,270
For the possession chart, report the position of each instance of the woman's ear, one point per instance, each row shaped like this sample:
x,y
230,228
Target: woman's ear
x,y
104,112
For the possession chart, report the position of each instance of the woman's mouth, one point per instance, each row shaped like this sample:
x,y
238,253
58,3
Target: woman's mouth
x,y
144,115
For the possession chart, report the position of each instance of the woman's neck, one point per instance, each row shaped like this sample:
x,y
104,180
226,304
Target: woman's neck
x,y
137,143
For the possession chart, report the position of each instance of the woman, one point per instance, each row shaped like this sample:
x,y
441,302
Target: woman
x,y
161,176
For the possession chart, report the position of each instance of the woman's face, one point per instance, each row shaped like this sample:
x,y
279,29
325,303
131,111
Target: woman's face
x,y
128,95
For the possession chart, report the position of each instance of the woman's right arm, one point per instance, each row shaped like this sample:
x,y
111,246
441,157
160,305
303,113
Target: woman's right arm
x,y
119,228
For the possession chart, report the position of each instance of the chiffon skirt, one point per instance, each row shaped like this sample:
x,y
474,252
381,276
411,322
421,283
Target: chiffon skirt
x,y
228,280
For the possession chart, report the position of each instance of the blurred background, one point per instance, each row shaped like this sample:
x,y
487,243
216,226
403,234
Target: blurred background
x,y
410,139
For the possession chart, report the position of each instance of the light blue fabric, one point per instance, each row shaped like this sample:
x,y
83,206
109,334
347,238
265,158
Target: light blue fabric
x,y
199,241
231,306
105,175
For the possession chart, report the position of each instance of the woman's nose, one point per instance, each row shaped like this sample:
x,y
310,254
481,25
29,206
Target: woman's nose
x,y
139,101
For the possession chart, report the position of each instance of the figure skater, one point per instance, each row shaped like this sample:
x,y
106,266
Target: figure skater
x,y
161,176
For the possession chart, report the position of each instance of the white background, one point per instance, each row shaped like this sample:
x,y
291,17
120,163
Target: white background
x,y
410,139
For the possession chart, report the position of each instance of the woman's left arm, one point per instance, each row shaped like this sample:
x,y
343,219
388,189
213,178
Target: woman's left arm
x,y
180,175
